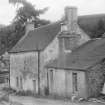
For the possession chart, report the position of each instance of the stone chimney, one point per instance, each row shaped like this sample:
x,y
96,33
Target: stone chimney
x,y
71,19
29,27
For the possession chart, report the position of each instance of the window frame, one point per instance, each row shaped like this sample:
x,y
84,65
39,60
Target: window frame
x,y
75,81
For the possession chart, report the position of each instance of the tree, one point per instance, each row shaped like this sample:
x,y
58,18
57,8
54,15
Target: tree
x,y
94,31
99,29
10,35
27,12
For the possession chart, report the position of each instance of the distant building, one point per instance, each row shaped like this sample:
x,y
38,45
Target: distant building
x,y
55,58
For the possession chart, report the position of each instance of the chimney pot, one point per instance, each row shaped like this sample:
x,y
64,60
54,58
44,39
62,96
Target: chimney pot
x,y
29,27
71,18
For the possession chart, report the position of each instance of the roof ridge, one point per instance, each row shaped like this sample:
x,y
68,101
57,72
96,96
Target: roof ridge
x,y
43,26
88,42
83,45
91,15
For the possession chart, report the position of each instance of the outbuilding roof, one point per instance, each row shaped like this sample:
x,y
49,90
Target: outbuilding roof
x,y
83,57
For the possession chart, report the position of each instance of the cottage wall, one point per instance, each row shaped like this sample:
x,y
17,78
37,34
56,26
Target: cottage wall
x,y
49,54
25,66
62,84
59,87
81,83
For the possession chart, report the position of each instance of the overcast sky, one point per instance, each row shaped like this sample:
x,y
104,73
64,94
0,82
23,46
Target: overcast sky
x,y
56,8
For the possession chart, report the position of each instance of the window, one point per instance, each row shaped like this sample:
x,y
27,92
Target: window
x,y
63,27
75,84
17,81
21,83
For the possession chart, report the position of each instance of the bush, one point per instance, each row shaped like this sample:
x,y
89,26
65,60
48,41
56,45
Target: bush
x,y
9,90
46,91
25,93
5,98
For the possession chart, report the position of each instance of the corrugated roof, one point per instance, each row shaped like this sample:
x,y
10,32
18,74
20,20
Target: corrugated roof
x,y
84,56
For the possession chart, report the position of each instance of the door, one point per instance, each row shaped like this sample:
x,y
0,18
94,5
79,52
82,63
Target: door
x,y
75,84
34,86
50,80
21,83
69,84
17,82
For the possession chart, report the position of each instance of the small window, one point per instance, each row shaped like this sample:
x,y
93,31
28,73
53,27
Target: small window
x,y
75,84
17,81
63,27
21,83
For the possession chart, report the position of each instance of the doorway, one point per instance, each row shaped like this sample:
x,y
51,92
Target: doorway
x,y
75,83
34,86
50,81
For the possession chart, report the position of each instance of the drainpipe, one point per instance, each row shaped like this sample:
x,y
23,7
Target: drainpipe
x,y
39,72
9,72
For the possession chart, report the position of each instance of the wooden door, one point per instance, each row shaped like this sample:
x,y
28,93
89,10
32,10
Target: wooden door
x,y
34,86
50,80
75,84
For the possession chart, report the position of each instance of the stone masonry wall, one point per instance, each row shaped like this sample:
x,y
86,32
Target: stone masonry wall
x,y
23,65
49,54
96,79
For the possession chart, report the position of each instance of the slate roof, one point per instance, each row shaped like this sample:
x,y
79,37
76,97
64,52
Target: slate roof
x,y
41,37
83,57
38,39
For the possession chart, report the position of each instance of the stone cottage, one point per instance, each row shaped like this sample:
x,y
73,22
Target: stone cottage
x,y
31,59
80,73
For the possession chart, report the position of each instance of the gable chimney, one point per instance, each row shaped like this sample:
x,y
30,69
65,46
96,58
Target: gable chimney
x,y
29,27
71,19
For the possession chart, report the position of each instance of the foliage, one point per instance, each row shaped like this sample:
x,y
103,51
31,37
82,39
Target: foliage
x,y
27,12
9,90
25,93
10,35
95,32
99,30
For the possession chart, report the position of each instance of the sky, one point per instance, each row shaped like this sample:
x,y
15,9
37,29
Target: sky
x,y
56,8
